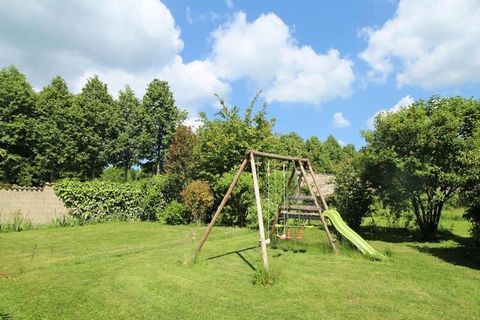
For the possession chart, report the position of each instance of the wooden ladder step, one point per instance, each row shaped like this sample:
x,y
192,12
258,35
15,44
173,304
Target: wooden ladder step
x,y
301,208
302,216
301,198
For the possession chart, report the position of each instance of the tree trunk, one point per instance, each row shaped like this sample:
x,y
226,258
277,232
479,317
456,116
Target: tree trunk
x,y
428,217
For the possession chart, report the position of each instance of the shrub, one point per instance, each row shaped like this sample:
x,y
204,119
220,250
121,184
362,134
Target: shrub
x,y
100,201
353,195
473,215
153,199
174,213
198,198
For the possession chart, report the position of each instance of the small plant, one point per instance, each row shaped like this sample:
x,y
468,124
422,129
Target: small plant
x,y
17,223
265,278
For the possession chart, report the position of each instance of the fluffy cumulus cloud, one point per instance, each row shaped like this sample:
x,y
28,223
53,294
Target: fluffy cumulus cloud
x,y
134,41
339,121
123,42
431,43
402,103
265,51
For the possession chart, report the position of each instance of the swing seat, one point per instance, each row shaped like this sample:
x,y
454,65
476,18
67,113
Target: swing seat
x,y
282,236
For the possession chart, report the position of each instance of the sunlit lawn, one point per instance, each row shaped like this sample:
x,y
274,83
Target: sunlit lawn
x,y
135,270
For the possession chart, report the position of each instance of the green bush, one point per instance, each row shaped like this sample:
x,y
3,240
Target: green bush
x,y
353,195
174,213
473,215
17,223
153,197
198,198
100,201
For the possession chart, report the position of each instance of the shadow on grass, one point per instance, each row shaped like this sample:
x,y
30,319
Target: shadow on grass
x,y
238,253
458,253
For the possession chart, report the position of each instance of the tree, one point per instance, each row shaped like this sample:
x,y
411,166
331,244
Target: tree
x,y
422,154
95,109
181,160
318,156
17,120
161,119
223,141
55,132
124,151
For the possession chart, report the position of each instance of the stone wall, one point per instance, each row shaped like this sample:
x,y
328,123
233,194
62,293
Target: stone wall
x,y
39,205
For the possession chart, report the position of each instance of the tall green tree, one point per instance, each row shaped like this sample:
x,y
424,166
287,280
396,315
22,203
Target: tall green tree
x,y
423,154
124,151
17,120
161,119
96,111
181,160
318,156
55,132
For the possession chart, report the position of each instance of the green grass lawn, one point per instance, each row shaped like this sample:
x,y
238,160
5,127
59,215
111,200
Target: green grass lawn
x,y
135,270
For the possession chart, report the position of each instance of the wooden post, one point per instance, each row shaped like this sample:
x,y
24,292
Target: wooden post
x,y
322,218
219,209
259,212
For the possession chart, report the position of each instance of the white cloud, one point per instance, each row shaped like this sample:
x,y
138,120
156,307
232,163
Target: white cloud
x,y
402,103
339,121
431,43
134,41
266,52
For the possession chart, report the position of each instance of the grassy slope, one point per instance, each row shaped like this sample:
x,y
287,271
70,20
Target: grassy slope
x,y
135,270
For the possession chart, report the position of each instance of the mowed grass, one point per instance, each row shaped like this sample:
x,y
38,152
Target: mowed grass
x,y
136,271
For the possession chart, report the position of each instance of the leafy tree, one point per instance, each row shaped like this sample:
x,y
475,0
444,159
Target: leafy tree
x,y
198,198
95,108
55,132
222,142
354,194
181,160
423,154
318,156
161,119
17,120
124,151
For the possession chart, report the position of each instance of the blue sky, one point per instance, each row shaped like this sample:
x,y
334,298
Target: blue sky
x,y
325,67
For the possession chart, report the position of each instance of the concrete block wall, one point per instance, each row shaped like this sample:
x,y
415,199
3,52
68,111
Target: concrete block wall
x,y
39,205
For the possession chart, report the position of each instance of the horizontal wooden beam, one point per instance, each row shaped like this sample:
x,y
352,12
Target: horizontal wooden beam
x,y
302,216
276,156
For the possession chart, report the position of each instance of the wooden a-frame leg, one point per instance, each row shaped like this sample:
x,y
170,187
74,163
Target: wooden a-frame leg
x,y
261,229
322,218
219,209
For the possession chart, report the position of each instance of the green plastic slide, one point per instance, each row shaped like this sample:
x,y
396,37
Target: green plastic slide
x,y
351,235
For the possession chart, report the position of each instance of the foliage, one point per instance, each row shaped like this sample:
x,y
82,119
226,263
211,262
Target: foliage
x,y
17,222
124,151
198,198
353,195
152,197
100,201
17,114
94,107
223,141
55,132
240,208
174,213
181,161
114,174
161,118
423,154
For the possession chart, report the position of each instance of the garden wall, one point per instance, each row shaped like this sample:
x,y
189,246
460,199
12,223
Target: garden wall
x,y
39,205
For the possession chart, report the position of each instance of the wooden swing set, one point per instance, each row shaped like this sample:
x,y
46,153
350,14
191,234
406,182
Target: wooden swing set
x,y
301,166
